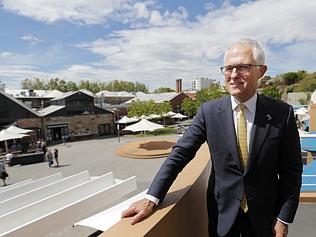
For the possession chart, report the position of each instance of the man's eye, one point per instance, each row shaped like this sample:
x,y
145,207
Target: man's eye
x,y
242,67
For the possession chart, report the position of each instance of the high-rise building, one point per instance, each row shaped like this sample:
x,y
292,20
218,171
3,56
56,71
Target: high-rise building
x,y
202,82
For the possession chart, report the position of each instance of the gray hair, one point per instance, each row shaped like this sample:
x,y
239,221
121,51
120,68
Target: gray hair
x,y
257,51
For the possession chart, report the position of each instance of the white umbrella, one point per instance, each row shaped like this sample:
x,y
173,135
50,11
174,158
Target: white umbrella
x,y
170,113
179,116
15,129
126,120
6,135
143,125
154,116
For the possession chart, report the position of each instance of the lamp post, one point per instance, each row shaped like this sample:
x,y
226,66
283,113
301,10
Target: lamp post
x,y
117,125
118,132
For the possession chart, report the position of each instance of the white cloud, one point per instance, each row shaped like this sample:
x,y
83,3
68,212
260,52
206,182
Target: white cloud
x,y
79,11
5,54
32,39
171,47
139,13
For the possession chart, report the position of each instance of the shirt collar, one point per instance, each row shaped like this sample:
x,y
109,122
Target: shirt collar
x,y
250,104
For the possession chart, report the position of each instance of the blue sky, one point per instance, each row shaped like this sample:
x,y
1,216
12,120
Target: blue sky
x,y
153,42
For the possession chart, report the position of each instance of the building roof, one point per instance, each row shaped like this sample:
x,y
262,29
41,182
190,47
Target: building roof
x,y
10,97
106,93
50,109
157,97
70,93
33,93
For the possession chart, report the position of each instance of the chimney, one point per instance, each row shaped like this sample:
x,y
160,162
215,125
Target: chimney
x,y
179,85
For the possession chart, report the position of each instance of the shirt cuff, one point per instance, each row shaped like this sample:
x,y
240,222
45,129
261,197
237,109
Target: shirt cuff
x,y
152,198
283,221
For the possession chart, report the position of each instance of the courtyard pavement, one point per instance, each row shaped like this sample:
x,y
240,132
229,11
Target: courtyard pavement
x,y
99,156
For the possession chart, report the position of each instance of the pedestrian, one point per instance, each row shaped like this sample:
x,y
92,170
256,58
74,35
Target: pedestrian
x,y
64,139
56,156
49,158
255,180
44,146
3,174
9,156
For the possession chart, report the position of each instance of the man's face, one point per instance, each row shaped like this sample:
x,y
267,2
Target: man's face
x,y
242,85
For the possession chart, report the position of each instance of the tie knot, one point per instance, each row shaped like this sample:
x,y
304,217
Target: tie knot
x,y
242,107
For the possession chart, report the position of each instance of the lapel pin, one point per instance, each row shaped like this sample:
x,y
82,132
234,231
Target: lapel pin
x,y
269,117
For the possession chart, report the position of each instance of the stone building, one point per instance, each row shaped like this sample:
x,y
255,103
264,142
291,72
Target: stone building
x,y
72,115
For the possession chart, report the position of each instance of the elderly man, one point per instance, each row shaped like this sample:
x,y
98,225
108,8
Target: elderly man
x,y
255,180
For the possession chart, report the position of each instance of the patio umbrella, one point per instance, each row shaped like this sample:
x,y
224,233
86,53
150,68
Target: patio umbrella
x,y
154,116
179,116
126,120
6,135
169,114
14,129
144,125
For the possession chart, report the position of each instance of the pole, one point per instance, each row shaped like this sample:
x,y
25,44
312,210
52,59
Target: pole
x,y
118,132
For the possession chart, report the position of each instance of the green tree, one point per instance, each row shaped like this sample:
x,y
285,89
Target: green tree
x,y
291,78
71,86
33,84
163,108
211,93
117,85
139,108
272,91
189,106
307,84
163,90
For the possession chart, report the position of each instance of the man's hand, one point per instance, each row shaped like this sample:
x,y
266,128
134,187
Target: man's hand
x,y
279,229
139,210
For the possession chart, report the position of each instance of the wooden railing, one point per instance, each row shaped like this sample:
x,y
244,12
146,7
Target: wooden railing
x,y
183,211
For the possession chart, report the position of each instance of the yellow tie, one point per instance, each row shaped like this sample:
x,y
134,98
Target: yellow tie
x,y
243,147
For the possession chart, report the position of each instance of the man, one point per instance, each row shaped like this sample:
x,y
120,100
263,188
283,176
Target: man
x,y
49,158
9,156
255,179
3,174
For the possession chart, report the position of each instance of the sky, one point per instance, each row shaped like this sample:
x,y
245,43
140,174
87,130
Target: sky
x,y
153,42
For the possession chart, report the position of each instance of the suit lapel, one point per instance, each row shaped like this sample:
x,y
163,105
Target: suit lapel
x,y
261,127
226,121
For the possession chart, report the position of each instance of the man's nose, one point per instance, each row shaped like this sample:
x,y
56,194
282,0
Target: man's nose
x,y
234,73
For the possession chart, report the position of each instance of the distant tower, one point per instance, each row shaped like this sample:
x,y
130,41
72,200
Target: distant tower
x,y
200,83
179,85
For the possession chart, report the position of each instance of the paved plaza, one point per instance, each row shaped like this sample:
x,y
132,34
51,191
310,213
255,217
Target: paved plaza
x,y
99,156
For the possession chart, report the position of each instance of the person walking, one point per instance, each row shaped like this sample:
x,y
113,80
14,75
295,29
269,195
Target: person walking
x,y
56,156
255,179
3,174
49,158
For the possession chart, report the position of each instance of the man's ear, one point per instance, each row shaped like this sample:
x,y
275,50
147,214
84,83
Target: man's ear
x,y
263,70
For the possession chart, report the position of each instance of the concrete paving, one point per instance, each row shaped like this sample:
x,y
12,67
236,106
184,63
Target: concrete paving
x,y
99,157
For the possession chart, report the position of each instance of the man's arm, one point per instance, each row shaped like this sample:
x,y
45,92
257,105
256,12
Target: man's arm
x,y
182,153
290,171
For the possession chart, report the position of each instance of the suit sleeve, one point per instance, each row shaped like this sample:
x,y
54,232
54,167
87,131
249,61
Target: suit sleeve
x,y
182,153
290,170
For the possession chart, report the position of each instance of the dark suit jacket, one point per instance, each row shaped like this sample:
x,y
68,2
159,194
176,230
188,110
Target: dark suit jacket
x,y
271,179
